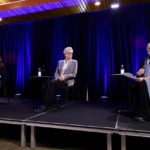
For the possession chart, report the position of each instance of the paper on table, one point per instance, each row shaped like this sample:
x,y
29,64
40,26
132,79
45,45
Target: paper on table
x,y
129,75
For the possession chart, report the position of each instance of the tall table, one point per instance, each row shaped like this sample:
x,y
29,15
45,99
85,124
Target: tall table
x,y
129,77
37,83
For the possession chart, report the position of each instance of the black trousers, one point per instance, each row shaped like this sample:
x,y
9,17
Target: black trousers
x,y
143,100
51,88
3,88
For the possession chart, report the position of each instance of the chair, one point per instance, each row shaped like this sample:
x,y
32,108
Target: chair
x,y
64,94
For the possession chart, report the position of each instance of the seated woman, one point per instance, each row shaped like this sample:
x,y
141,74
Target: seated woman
x,y
143,89
66,69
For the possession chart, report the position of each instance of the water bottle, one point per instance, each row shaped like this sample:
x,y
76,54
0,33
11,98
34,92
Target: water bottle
x,y
122,69
39,72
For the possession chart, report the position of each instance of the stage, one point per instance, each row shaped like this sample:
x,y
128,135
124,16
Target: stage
x,y
98,117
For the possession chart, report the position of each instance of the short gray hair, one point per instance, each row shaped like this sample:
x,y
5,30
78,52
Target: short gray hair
x,y
70,49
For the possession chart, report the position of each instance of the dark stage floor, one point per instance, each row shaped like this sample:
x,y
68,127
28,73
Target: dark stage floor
x,y
84,114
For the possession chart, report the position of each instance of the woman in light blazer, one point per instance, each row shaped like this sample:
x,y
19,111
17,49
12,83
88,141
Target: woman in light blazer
x,y
66,69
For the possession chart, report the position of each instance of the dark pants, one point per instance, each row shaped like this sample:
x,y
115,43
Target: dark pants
x,y
143,100
51,89
3,88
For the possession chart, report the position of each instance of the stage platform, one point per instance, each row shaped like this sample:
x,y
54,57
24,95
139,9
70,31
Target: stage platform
x,y
96,117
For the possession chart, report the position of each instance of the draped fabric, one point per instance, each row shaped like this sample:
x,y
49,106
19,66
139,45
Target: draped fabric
x,y
102,41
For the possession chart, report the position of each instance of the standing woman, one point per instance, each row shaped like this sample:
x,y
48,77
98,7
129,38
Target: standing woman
x,y
143,89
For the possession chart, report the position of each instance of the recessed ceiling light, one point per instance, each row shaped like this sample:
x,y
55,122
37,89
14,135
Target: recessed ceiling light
x,y
97,3
115,5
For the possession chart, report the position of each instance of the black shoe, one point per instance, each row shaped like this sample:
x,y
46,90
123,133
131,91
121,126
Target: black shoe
x,y
42,108
139,118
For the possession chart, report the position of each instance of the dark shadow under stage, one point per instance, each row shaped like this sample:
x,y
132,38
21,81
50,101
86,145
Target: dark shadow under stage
x,y
83,116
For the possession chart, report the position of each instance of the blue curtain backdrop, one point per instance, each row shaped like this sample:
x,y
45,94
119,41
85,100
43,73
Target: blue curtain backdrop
x,y
102,41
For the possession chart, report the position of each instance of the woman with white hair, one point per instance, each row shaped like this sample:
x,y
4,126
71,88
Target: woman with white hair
x,y
66,69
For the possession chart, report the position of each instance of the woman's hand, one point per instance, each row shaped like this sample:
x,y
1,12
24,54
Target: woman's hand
x,y
140,72
139,79
62,78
